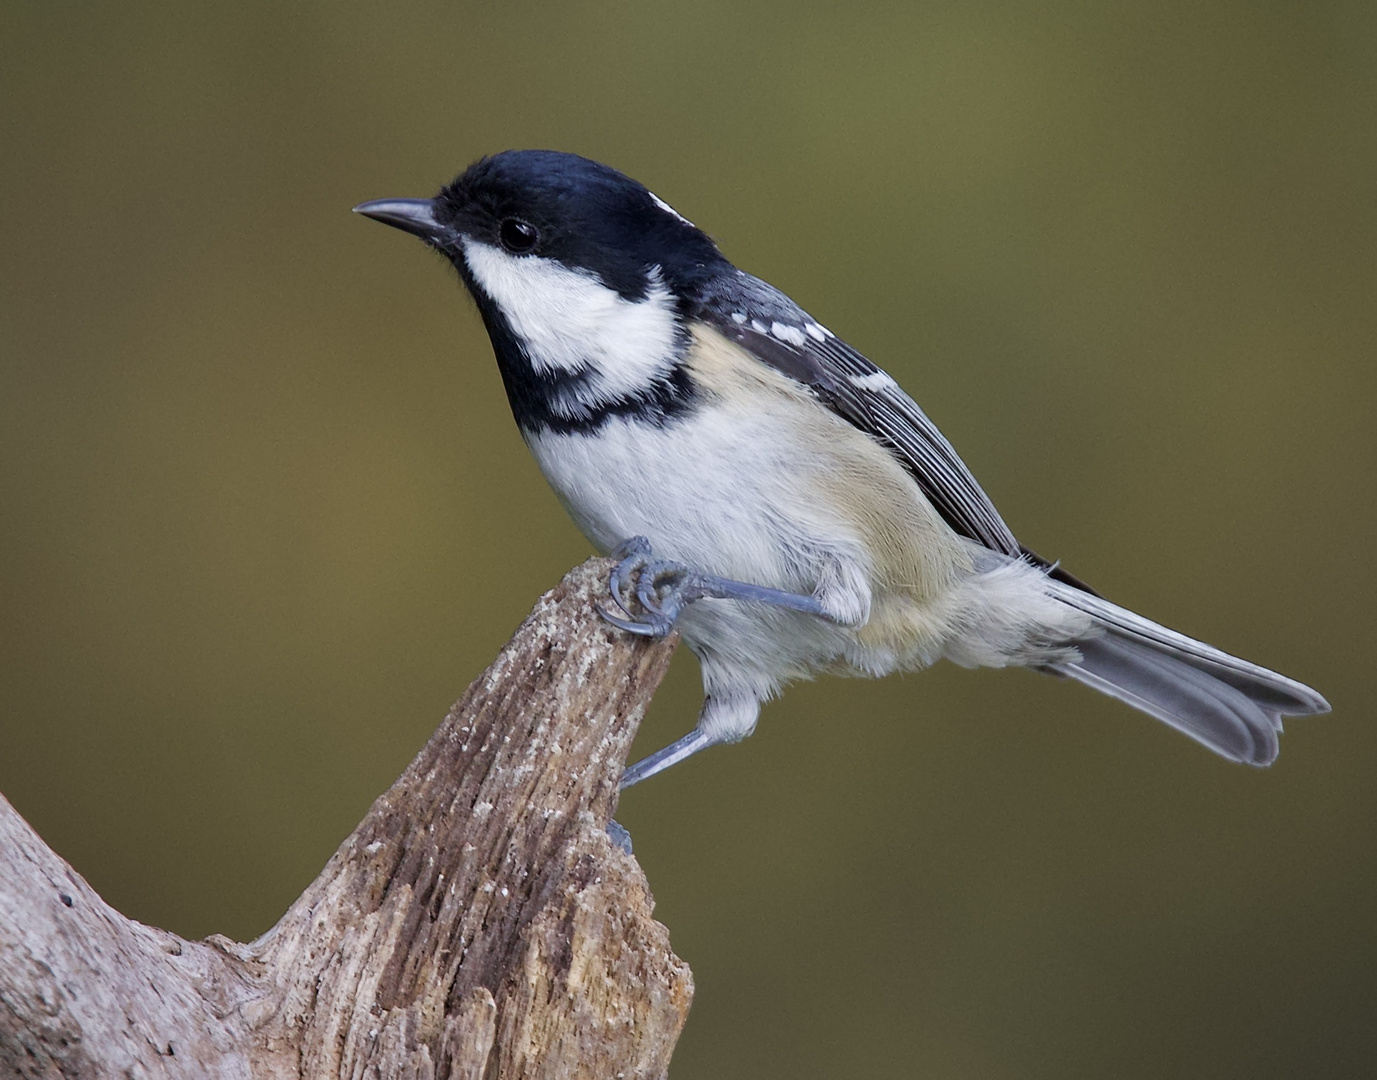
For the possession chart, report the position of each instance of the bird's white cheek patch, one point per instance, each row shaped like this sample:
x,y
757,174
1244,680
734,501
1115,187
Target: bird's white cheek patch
x,y
571,321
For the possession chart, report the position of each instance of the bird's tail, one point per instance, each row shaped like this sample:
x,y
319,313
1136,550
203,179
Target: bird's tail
x,y
1231,706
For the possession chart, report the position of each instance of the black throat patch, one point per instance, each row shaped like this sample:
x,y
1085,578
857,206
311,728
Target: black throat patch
x,y
567,401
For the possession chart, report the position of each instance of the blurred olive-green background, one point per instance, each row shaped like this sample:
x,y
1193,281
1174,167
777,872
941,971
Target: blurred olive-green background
x,y
264,514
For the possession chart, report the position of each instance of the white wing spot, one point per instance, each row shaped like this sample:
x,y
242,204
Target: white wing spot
x,y
759,327
739,317
670,210
875,381
792,334
816,332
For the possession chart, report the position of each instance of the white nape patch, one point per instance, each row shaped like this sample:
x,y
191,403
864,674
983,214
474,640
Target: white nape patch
x,y
876,381
816,332
669,209
792,334
570,321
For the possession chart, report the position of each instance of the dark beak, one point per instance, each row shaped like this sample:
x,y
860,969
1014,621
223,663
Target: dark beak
x,y
416,216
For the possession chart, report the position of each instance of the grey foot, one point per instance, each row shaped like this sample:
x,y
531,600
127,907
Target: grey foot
x,y
617,833
663,589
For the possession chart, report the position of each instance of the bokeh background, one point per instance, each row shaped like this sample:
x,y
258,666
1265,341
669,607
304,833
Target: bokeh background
x,y
264,514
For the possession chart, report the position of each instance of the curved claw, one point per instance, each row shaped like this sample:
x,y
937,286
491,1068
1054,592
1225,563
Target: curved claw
x,y
663,589
645,587
621,584
657,627
618,587
659,580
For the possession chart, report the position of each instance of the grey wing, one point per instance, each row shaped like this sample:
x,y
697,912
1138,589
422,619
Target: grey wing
x,y
776,330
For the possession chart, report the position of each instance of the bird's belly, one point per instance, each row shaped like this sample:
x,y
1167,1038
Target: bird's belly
x,y
724,498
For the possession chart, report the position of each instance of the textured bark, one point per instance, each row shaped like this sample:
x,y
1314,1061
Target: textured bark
x,y
478,923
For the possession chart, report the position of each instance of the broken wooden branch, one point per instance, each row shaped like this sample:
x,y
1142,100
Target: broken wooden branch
x,y
477,923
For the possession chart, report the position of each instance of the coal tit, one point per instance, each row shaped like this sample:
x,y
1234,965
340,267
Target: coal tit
x,y
765,487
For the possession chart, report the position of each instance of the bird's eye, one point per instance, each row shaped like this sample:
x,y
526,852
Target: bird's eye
x,y
518,236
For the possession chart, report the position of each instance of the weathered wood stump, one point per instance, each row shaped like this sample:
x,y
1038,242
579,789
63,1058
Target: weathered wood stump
x,y
477,923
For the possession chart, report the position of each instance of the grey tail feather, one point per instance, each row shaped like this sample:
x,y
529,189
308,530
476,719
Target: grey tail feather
x,y
1231,706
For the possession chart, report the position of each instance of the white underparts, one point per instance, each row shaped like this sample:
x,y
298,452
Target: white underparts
x,y
571,322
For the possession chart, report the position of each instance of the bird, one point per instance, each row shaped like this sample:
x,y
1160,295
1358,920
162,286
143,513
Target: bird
x,y
764,488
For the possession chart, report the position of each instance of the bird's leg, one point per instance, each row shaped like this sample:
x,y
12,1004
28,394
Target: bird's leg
x,y
665,588
662,589
725,718
661,760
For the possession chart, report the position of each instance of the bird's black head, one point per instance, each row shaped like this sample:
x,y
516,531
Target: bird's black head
x,y
586,216
580,213
583,277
